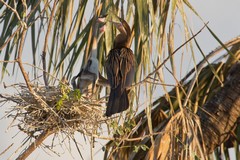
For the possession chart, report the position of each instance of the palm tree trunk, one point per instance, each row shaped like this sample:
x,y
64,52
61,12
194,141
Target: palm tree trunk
x,y
219,115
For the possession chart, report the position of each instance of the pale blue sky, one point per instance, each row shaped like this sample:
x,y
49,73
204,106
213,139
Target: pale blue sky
x,y
223,18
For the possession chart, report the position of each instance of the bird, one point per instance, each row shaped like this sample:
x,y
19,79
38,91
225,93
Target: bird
x,y
89,73
120,68
87,76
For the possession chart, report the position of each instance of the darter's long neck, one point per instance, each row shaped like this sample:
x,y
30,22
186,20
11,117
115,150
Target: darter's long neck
x,y
95,37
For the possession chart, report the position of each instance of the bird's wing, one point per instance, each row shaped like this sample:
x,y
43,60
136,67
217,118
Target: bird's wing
x,y
127,67
112,68
119,67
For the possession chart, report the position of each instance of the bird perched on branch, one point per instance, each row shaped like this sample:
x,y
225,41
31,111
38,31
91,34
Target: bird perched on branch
x,y
120,67
89,73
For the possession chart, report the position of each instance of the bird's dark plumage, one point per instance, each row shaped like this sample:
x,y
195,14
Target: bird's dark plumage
x,y
120,68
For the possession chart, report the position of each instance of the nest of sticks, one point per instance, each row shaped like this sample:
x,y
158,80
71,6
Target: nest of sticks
x,y
61,109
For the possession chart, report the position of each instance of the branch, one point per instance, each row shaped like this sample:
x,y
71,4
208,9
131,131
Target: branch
x,y
45,77
19,60
165,60
210,55
5,150
19,57
18,29
34,145
11,37
44,135
34,8
12,9
103,83
23,24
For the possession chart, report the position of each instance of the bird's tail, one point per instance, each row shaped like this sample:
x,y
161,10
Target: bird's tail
x,y
118,101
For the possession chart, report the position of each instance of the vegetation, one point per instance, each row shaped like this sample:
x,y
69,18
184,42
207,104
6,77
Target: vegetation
x,y
195,117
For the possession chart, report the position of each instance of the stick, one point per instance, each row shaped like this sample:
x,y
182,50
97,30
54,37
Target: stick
x,y
34,145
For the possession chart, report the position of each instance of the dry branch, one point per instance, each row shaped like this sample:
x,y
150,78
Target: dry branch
x,y
34,145
45,77
175,51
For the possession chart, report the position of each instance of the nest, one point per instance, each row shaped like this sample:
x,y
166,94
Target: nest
x,y
61,109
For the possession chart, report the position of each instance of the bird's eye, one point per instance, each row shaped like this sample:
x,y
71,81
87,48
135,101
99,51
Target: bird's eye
x,y
89,63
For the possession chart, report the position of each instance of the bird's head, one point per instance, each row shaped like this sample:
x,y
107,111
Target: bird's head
x,y
122,39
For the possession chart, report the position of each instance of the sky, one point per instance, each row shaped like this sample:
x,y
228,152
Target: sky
x,y
223,18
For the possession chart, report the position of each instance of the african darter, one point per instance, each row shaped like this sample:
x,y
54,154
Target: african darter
x,y
120,68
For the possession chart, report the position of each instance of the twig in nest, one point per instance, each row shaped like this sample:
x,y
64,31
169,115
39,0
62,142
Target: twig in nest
x,y
5,150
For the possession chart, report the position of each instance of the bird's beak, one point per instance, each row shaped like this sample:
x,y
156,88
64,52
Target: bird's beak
x,y
107,18
102,20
